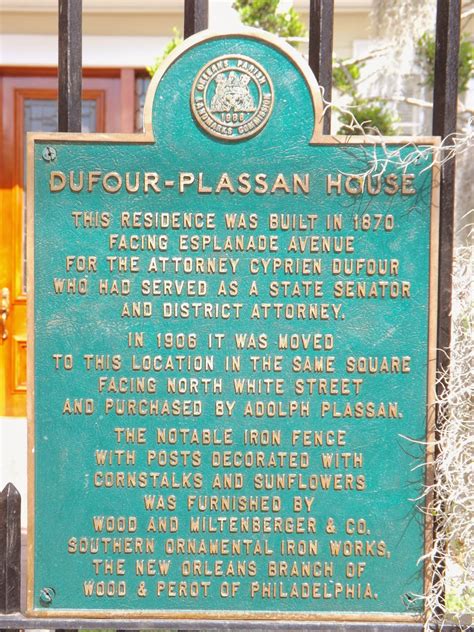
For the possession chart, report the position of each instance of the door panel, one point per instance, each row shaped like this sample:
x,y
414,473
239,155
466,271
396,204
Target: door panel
x,y
30,104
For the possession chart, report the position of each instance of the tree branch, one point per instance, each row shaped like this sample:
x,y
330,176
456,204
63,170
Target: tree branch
x,y
467,14
376,52
462,109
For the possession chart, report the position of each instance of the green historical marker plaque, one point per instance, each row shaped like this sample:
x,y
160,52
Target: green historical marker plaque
x,y
231,345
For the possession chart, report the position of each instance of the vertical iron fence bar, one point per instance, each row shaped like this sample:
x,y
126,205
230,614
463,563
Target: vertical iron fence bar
x,y
70,66
70,73
69,70
445,97
10,550
321,29
196,16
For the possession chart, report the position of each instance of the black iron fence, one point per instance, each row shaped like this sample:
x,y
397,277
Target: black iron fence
x,y
320,60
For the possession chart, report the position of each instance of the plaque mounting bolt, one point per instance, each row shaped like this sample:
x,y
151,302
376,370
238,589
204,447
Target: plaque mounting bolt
x,y
49,154
46,596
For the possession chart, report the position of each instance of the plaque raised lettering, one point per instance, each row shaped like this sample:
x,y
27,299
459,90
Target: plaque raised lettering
x,y
231,354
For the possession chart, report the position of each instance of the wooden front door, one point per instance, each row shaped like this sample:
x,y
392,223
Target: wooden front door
x,y
30,104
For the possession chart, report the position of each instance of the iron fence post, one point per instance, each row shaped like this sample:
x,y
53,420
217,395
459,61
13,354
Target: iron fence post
x,y
445,97
70,66
321,28
10,549
196,16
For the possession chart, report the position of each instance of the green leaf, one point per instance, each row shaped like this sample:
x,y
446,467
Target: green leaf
x,y
170,46
426,51
370,115
263,14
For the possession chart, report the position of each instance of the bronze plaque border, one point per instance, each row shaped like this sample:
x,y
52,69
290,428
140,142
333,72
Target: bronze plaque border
x,y
268,619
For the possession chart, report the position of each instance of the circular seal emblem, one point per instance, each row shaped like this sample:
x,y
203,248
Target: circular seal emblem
x,y
232,97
